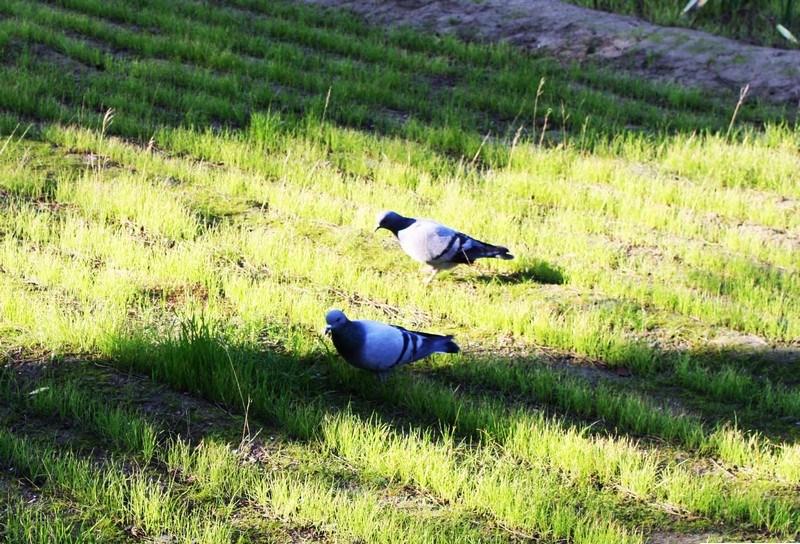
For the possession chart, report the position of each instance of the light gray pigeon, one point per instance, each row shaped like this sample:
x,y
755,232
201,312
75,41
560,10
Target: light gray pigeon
x,y
436,245
380,348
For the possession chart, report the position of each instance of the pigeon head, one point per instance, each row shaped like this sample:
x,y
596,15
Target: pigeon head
x,y
335,319
392,222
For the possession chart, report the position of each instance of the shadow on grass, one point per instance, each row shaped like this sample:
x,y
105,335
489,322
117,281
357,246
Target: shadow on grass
x,y
298,384
537,272
291,382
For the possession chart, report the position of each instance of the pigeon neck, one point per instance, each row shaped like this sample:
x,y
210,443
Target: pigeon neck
x,y
398,223
349,340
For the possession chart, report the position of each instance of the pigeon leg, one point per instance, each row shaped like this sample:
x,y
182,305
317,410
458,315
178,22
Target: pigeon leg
x,y
383,376
433,272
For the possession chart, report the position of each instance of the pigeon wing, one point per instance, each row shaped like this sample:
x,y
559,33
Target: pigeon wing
x,y
384,346
435,244
388,346
429,242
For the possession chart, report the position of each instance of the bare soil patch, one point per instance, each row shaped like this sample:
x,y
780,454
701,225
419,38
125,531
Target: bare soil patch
x,y
683,56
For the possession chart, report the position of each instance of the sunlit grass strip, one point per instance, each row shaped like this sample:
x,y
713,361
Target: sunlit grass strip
x,y
26,523
128,197
685,301
639,424
349,511
758,299
528,497
606,186
659,207
752,302
638,419
130,496
477,417
712,496
218,474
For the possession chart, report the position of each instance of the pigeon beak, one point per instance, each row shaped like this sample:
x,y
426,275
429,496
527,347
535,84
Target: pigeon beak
x,y
377,228
327,330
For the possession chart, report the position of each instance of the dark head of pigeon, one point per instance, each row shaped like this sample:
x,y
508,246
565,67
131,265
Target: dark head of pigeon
x,y
393,222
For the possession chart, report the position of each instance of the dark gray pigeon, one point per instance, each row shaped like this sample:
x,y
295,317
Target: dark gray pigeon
x,y
380,348
436,245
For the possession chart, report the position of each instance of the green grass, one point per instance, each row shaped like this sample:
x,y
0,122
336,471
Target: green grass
x,y
197,232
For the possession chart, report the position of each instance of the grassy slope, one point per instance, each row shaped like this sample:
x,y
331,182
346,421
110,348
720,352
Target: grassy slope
x,y
210,221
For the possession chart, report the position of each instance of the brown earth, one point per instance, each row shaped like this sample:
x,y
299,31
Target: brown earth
x,y
683,56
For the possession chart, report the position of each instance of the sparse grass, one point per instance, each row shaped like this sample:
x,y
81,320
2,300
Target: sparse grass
x,y
197,233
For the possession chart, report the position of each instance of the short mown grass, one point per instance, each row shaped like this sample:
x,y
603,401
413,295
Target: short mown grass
x,y
186,189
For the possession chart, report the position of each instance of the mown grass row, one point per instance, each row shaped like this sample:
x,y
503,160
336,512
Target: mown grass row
x,y
350,96
403,49
339,32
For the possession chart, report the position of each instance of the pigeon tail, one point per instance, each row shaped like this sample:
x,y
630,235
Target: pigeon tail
x,y
501,252
440,343
481,250
431,343
449,346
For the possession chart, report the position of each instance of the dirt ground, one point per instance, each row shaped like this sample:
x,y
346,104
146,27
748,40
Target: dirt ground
x,y
683,56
